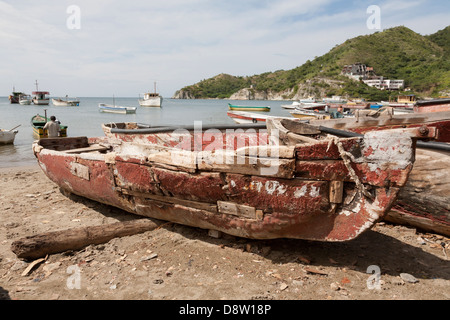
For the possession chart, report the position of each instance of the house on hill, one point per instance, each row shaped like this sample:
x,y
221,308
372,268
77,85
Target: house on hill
x,y
359,71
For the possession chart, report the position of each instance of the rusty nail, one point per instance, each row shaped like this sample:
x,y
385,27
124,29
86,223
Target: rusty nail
x,y
424,130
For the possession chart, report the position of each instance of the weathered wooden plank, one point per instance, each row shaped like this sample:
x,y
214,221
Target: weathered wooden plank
x,y
283,152
336,170
171,200
229,162
176,158
62,144
336,191
135,177
204,186
272,194
236,210
328,150
300,127
92,148
80,170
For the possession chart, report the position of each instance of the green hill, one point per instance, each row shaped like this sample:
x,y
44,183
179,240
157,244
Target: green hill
x,y
397,53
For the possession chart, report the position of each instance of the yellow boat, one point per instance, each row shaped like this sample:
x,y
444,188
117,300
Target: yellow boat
x,y
38,122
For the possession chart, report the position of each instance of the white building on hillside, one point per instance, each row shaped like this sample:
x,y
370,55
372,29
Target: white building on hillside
x,y
385,84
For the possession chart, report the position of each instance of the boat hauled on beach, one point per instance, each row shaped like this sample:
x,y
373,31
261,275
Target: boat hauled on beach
x,y
282,179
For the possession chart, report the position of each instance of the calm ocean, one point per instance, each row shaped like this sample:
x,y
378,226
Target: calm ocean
x,y
86,120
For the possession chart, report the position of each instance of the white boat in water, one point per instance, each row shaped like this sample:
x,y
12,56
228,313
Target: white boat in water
x,y
103,107
25,100
59,102
151,99
291,106
40,97
8,136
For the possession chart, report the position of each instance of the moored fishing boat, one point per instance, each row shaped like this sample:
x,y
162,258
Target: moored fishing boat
x,y
25,100
40,97
38,122
66,102
15,96
109,108
151,99
248,108
293,105
235,181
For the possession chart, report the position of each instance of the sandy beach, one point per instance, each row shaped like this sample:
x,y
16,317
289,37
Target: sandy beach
x,y
176,262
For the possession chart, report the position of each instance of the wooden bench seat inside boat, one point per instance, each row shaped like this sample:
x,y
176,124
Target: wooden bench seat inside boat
x,y
71,145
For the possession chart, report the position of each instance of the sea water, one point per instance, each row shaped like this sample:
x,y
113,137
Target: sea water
x,y
86,120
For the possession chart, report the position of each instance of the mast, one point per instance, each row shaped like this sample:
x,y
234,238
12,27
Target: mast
x,y
36,86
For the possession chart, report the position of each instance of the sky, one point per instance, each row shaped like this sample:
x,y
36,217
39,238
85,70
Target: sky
x,y
103,48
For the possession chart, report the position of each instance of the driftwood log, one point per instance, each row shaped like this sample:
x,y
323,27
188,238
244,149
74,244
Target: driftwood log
x,y
39,246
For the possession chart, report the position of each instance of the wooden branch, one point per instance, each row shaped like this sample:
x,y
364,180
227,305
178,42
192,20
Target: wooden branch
x,y
39,246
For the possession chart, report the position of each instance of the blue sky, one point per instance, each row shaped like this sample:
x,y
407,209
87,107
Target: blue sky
x,y
122,47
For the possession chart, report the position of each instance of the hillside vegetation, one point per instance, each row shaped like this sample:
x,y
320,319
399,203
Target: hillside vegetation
x,y
397,53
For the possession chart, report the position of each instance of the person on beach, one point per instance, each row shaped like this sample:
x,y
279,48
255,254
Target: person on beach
x,y
52,127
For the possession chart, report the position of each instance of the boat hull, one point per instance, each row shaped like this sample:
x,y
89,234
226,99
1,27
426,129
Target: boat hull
x,y
41,102
248,108
292,191
7,137
366,121
242,117
116,109
64,103
151,102
437,105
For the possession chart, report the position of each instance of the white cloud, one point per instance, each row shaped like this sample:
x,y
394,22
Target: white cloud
x,y
123,47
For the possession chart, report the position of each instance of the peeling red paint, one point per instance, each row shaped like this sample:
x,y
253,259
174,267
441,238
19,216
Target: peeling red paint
x,y
288,207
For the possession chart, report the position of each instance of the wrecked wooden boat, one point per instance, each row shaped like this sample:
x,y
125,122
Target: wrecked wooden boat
x,y
288,180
